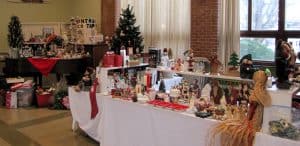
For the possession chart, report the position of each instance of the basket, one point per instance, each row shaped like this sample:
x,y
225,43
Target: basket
x,y
43,99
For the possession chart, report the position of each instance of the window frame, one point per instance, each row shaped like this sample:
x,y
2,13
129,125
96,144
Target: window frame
x,y
281,33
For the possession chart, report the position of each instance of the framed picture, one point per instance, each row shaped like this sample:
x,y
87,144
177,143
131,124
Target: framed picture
x,y
47,31
28,1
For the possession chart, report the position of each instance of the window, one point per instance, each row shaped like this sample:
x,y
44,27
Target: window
x,y
163,23
263,22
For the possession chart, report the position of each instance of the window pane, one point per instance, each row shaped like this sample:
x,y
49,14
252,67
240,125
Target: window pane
x,y
265,14
244,15
260,48
292,16
296,45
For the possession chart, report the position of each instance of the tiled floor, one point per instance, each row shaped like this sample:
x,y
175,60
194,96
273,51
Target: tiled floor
x,y
39,126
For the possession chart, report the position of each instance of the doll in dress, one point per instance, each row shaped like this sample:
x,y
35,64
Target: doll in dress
x,y
241,132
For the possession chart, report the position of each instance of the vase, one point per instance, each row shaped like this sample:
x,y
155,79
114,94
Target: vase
x,y
14,53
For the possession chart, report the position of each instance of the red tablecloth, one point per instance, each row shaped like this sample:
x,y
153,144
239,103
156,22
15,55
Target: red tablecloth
x,y
43,65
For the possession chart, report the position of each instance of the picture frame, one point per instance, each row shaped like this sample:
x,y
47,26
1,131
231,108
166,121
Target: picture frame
x,y
29,1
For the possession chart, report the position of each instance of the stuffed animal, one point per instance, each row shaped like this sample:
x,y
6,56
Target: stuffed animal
x,y
214,64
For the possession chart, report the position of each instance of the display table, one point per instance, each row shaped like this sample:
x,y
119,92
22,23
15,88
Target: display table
x,y
123,123
22,67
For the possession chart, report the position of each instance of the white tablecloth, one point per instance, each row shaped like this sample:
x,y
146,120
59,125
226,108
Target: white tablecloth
x,y
124,123
132,124
81,112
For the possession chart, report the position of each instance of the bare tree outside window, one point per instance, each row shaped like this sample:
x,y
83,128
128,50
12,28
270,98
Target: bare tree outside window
x,y
264,23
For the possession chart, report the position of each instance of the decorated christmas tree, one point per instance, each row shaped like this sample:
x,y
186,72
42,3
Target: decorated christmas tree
x,y
234,61
127,33
15,36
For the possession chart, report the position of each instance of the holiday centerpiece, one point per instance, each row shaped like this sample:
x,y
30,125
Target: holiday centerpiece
x,y
15,36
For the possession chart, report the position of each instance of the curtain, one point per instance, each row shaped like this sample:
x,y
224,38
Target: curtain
x,y
163,23
229,38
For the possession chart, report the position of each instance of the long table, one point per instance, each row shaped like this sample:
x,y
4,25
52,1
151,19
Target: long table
x,y
123,123
22,67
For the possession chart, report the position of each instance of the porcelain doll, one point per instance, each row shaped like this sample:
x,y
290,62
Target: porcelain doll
x,y
216,92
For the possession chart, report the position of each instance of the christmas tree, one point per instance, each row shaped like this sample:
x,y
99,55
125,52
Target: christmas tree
x,y
127,33
234,60
15,36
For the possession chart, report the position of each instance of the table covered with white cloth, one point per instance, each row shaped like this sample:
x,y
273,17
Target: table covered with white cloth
x,y
81,113
123,123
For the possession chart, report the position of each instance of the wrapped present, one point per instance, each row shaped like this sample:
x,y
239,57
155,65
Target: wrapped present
x,y
11,100
24,96
2,97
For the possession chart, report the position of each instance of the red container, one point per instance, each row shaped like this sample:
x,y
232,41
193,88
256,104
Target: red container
x,y
118,60
109,59
43,99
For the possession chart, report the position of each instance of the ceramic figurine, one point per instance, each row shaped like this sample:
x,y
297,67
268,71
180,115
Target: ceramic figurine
x,y
246,67
178,65
285,62
216,92
87,79
190,60
231,94
165,58
214,64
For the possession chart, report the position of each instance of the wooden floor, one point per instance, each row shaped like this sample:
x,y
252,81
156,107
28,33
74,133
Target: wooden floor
x,y
39,127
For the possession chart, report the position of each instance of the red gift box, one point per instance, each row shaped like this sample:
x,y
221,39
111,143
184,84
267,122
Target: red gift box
x,y
118,60
109,59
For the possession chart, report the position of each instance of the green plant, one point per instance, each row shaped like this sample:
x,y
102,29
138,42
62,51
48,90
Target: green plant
x,y
257,49
127,33
15,36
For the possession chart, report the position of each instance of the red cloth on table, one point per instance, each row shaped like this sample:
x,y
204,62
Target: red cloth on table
x,y
93,100
43,65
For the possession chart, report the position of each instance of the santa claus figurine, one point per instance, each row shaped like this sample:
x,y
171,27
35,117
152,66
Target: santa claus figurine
x,y
285,62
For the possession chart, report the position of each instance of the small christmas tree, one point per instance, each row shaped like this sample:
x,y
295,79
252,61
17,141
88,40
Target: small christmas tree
x,y
15,36
127,34
234,60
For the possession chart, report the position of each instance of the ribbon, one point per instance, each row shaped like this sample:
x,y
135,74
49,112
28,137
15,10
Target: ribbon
x,y
93,100
43,65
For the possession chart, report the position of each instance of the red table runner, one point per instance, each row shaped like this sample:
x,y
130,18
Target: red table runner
x,y
93,100
43,65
